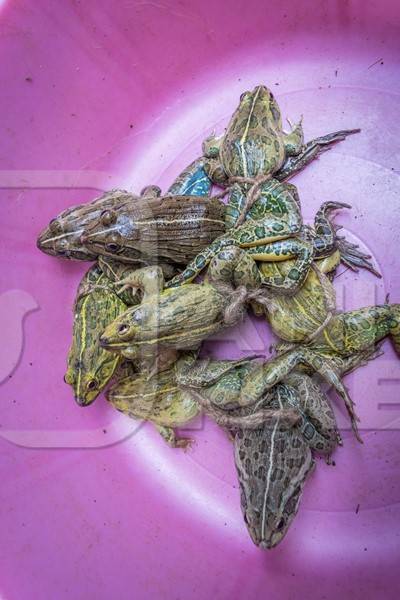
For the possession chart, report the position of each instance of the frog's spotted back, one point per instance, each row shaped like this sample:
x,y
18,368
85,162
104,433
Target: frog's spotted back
x,y
273,464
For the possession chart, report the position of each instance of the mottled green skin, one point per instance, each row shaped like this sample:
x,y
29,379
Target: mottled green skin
x,y
346,337
273,234
272,455
293,318
254,143
90,367
276,202
273,459
255,146
220,385
158,399
264,242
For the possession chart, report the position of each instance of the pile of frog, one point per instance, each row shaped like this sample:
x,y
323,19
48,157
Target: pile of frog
x,y
141,314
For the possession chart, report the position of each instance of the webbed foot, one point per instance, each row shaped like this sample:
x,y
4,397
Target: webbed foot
x,y
310,151
353,257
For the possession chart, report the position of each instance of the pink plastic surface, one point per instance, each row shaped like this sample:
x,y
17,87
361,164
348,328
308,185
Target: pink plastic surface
x,y
99,94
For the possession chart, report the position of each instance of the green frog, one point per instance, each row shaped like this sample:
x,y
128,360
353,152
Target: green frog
x,y
255,149
274,439
156,397
90,367
98,302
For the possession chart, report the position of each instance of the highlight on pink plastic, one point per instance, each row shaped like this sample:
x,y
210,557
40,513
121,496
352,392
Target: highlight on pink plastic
x,y
100,94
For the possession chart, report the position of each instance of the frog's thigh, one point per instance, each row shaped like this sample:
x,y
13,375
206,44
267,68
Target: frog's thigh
x,y
265,375
192,181
234,265
284,250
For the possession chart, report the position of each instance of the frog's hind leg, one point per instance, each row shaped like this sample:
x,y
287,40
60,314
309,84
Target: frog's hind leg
x,y
193,181
169,436
234,266
289,416
329,372
310,151
301,250
267,374
327,240
353,257
394,325
195,267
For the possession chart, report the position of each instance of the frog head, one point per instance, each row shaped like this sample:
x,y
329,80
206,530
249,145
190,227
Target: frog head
x,y
62,237
273,466
260,102
177,318
89,378
114,234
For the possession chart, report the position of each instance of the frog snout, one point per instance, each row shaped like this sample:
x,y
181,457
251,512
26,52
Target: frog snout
x,y
81,401
104,341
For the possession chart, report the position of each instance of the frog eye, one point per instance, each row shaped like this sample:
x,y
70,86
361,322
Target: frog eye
x,y
113,247
92,385
123,328
55,226
114,244
243,96
280,525
108,217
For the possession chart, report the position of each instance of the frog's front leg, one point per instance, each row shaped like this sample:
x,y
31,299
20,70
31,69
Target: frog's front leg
x,y
150,280
310,151
301,250
213,164
168,434
294,140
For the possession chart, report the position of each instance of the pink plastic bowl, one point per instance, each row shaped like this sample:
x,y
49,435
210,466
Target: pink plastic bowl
x,y
100,94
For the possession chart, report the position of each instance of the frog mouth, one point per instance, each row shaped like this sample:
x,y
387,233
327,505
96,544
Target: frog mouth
x,y
83,401
106,343
110,343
